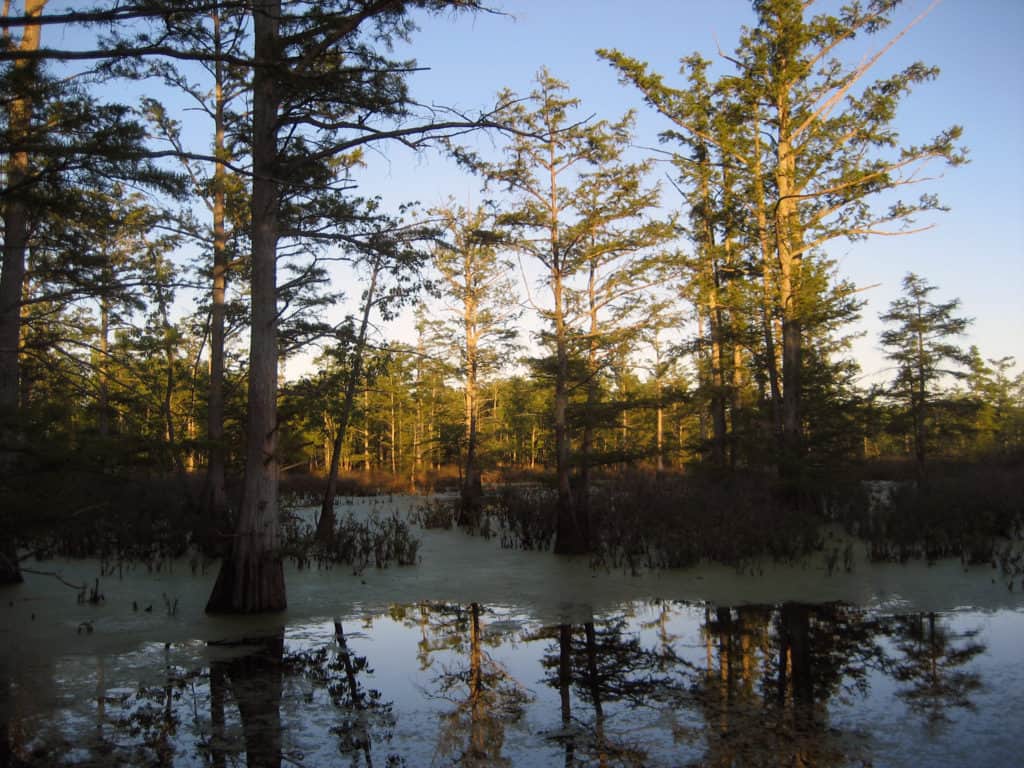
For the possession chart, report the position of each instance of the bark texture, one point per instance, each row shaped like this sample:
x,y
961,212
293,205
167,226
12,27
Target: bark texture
x,y
251,578
15,212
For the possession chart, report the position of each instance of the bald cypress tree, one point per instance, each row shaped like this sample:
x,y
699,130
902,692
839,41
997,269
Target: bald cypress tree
x,y
819,150
321,89
481,309
12,279
550,146
921,344
578,210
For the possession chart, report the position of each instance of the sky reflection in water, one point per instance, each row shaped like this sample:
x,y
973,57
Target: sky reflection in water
x,y
653,683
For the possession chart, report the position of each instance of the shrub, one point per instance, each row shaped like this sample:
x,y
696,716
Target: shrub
x,y
358,543
963,512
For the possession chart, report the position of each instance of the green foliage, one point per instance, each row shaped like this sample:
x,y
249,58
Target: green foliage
x,y
776,159
921,345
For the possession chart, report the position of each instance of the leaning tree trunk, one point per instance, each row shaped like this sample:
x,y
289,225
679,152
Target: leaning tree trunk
x,y
325,525
251,578
15,213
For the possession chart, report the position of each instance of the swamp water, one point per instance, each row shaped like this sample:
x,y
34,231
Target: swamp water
x,y
488,657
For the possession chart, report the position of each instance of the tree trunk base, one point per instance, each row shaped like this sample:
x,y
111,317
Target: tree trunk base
x,y
10,572
471,503
248,585
571,534
326,525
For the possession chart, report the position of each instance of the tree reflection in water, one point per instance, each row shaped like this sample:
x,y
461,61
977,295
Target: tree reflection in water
x,y
930,661
486,698
770,676
363,716
255,680
695,685
605,664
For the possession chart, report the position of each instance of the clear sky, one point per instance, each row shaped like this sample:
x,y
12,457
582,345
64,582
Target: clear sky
x,y
975,252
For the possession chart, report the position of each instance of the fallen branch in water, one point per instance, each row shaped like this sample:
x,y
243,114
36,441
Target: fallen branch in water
x,y
57,576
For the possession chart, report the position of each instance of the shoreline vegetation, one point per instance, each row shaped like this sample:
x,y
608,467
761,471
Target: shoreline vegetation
x,y
641,519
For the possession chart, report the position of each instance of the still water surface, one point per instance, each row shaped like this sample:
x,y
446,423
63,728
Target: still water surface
x,y
694,668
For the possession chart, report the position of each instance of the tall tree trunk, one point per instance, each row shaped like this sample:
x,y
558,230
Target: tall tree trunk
x,y
919,408
215,494
593,393
533,445
417,437
768,290
103,393
718,422
789,250
252,577
393,429
734,388
703,369
16,226
12,279
472,488
719,426
569,536
660,412
660,437
166,406
366,431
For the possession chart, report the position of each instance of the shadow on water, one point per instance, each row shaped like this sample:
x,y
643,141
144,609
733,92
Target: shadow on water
x,y
658,683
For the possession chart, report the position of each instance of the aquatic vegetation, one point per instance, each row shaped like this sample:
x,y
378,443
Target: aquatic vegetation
x,y
377,541
639,519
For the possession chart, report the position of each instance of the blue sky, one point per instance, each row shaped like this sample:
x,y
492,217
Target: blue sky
x,y
975,252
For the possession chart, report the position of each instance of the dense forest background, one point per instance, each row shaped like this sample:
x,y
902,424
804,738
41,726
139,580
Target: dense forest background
x,y
600,312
